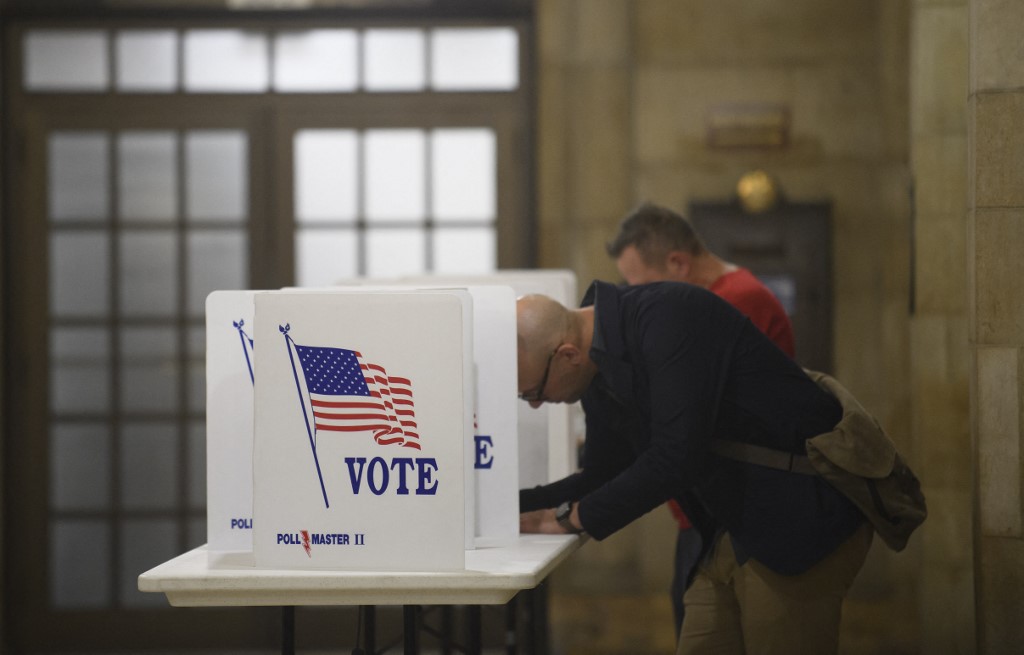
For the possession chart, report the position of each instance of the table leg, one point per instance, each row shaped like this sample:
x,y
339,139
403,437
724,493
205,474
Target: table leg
x,y
370,629
410,619
474,639
537,619
511,636
447,626
288,630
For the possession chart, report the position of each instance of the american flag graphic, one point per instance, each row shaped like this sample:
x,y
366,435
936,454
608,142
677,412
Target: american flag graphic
x,y
347,394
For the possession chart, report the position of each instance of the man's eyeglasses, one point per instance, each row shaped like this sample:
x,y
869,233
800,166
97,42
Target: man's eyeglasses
x,y
538,395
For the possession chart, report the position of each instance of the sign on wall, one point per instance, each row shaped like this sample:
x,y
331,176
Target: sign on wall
x,y
363,406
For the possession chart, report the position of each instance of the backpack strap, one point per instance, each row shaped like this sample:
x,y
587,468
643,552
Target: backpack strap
x,y
762,456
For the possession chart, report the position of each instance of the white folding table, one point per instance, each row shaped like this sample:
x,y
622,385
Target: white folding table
x,y
492,576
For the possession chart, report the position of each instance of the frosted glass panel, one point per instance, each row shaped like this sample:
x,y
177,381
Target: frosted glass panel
x,y
474,59
80,470
316,60
80,389
326,174
197,343
149,369
394,60
149,387
79,275
80,575
395,252
76,345
79,173
226,61
196,533
145,344
395,175
469,250
66,60
217,181
196,350
144,544
147,60
464,174
79,377
197,466
147,176
196,387
323,257
148,277
216,260
149,466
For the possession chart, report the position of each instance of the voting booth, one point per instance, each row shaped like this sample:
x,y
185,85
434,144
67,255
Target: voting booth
x,y
230,380
378,492
492,455
363,406
363,448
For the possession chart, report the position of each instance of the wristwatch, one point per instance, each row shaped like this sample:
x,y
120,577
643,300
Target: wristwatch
x,y
562,515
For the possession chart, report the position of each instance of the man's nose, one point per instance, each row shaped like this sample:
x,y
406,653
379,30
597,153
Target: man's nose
x,y
536,403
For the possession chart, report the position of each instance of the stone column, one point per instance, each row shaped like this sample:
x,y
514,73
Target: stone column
x,y
939,349
996,292
583,135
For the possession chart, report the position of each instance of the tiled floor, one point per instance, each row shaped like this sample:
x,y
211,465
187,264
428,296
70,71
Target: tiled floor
x,y
641,624
627,624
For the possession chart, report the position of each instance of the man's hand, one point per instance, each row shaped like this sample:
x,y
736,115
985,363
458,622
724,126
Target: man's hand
x,y
541,521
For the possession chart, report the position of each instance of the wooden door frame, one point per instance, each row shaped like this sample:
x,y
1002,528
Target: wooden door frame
x,y
31,625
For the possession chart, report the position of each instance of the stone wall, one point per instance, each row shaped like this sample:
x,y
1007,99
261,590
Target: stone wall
x,y
624,92
995,241
939,361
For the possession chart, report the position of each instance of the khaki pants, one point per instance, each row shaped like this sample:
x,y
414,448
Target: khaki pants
x,y
748,610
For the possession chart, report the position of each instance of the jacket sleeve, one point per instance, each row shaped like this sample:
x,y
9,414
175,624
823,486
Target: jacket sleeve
x,y
681,357
605,454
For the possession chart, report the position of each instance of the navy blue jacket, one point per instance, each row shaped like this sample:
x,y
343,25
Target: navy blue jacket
x,y
678,366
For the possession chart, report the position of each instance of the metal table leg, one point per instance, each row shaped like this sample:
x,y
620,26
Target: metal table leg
x,y
410,620
511,635
474,637
288,630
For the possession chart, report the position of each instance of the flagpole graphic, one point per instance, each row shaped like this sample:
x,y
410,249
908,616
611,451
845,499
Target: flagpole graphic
x,y
247,344
312,440
345,394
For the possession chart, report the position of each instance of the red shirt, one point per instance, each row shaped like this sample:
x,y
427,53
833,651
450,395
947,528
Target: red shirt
x,y
747,294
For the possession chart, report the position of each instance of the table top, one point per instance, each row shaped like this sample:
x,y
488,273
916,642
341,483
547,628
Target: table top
x,y
492,577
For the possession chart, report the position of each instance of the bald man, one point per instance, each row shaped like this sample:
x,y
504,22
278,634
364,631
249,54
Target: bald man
x,y
667,373
655,244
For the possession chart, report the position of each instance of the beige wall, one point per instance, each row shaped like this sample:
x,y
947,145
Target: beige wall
x,y
623,95
995,242
939,352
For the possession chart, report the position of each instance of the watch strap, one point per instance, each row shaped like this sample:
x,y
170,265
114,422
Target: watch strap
x,y
563,515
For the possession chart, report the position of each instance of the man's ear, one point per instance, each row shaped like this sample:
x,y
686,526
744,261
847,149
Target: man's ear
x,y
678,265
570,352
